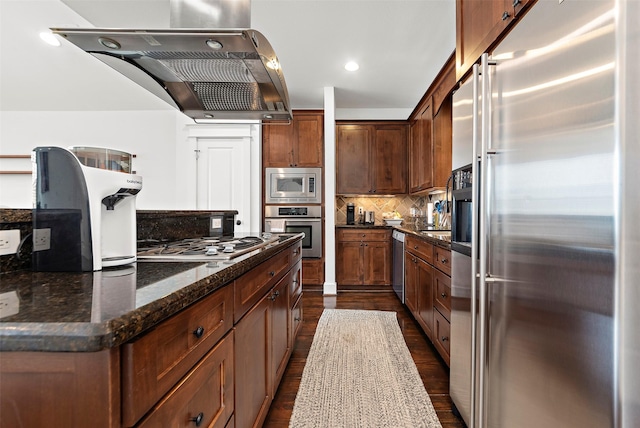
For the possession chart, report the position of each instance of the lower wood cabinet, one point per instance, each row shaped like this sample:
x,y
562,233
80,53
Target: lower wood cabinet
x,y
363,256
196,368
313,271
419,279
204,397
264,339
428,290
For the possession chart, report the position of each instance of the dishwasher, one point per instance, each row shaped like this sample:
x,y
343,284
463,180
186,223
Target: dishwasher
x,y
398,264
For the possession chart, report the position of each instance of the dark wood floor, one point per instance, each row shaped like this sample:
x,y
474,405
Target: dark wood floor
x,y
431,367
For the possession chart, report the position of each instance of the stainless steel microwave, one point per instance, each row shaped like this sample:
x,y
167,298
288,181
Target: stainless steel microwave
x,y
293,185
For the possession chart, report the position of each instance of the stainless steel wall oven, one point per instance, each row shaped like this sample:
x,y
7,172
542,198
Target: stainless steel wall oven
x,y
295,219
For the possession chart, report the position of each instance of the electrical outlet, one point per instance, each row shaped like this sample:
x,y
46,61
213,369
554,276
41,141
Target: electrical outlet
x,y
9,241
41,239
360,210
9,304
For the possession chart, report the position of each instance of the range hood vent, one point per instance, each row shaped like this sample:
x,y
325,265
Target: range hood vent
x,y
208,73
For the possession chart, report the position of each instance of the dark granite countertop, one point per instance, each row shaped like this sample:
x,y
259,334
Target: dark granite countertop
x,y
91,311
437,237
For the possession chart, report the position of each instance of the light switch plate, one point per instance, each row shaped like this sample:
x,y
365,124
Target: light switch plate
x,y
9,241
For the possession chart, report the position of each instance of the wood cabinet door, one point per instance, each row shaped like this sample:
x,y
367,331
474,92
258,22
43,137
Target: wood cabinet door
x,y
308,147
279,338
277,148
313,271
441,336
251,359
425,296
353,159
349,269
478,25
442,139
421,151
390,160
377,263
205,396
410,281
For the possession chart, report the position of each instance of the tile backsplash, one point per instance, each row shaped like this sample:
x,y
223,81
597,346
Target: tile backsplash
x,y
380,205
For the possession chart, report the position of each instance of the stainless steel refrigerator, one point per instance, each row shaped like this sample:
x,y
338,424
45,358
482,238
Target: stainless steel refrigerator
x,y
545,301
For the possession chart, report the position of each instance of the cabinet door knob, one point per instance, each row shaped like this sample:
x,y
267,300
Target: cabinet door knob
x,y
198,419
364,235
444,261
272,297
444,338
415,247
297,319
505,15
272,273
443,295
516,3
198,332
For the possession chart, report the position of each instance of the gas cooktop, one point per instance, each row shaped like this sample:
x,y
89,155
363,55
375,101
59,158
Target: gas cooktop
x,y
202,249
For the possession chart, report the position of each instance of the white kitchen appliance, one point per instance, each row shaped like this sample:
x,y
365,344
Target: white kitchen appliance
x,y
544,281
84,213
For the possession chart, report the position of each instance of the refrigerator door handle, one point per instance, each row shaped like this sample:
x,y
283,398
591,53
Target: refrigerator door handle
x,y
474,244
485,190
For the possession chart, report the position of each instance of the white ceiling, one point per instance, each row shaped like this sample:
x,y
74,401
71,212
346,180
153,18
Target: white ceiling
x,y
400,46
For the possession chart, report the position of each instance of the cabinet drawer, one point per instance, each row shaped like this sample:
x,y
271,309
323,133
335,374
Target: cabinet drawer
x,y
205,397
351,235
420,248
295,286
154,363
442,290
253,285
441,331
442,259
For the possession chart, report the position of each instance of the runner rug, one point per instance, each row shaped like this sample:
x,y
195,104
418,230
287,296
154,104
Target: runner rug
x,y
359,373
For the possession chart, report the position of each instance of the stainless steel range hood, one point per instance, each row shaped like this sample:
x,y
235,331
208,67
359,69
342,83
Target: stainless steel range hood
x,y
209,64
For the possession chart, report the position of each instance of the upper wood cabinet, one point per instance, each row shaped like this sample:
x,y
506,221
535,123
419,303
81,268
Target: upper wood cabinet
x,y
299,144
442,141
371,158
430,146
421,150
479,25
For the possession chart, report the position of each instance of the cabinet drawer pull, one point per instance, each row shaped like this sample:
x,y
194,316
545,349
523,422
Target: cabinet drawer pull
x,y
415,247
295,252
443,295
444,338
198,332
516,3
505,15
272,273
198,419
364,235
444,261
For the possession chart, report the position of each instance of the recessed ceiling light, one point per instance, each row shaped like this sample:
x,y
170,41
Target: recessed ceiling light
x,y
50,38
351,66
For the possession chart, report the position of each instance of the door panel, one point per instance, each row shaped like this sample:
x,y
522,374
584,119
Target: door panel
x,y
223,177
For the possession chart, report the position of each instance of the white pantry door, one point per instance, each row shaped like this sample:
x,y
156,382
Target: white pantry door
x,y
223,178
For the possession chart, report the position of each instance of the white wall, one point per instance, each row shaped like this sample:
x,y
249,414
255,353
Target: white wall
x,y
153,136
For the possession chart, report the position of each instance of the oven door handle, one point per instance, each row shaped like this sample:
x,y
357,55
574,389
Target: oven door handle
x,y
299,220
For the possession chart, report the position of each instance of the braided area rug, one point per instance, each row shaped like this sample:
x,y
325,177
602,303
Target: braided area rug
x,y
359,373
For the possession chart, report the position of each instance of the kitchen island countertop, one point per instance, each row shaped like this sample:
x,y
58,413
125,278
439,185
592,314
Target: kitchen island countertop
x,y
91,311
